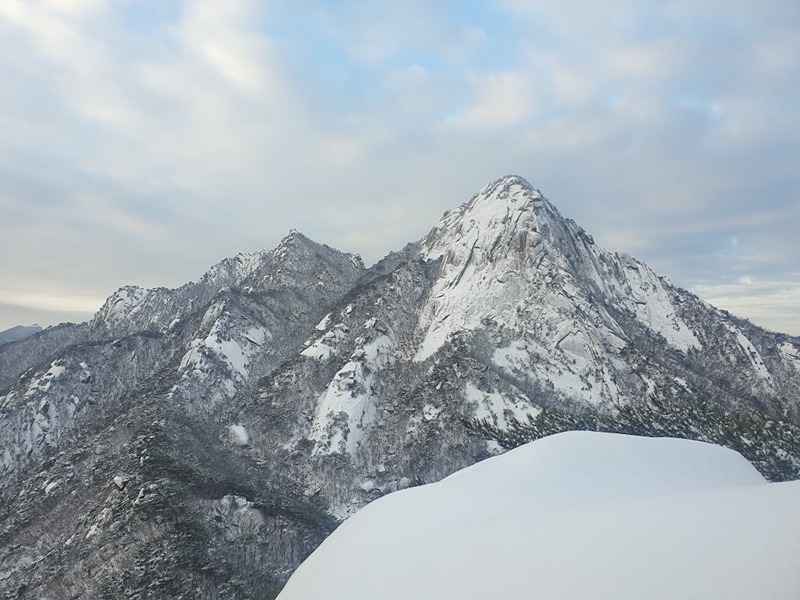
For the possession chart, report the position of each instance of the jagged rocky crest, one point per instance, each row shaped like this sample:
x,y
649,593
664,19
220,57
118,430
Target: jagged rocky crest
x,y
200,442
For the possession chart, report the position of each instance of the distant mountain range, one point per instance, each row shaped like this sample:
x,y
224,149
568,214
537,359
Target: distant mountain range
x,y
200,442
20,332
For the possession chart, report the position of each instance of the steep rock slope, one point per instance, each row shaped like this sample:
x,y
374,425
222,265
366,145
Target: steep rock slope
x,y
200,442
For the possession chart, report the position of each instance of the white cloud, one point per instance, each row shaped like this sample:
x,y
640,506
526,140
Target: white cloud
x,y
375,34
73,8
501,99
771,304
51,298
663,129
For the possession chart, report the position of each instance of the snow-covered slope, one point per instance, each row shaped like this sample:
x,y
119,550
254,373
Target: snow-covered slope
x,y
573,516
509,252
510,259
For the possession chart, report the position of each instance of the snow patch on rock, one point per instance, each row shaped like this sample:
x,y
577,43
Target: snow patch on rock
x,y
324,323
578,379
42,383
326,346
348,407
239,435
231,345
122,305
496,408
647,296
752,355
791,354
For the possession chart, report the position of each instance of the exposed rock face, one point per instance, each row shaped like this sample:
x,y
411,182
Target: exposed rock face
x,y
200,442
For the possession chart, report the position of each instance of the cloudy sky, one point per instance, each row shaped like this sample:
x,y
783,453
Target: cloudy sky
x,y
142,141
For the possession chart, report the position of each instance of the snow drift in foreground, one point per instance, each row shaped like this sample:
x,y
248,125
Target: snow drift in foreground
x,y
575,515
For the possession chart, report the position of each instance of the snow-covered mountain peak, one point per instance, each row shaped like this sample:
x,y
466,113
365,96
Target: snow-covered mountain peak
x,y
506,242
290,260
296,263
233,270
121,305
496,213
509,257
296,247
293,240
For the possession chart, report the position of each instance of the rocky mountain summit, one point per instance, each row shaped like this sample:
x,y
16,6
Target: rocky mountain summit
x,y
200,442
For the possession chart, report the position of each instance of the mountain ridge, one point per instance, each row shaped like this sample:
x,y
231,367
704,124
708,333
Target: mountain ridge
x,y
213,434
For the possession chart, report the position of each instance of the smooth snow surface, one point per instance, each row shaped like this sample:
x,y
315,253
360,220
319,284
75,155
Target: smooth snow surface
x,y
574,516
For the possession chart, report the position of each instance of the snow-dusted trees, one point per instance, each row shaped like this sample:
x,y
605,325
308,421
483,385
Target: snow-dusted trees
x,y
770,439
